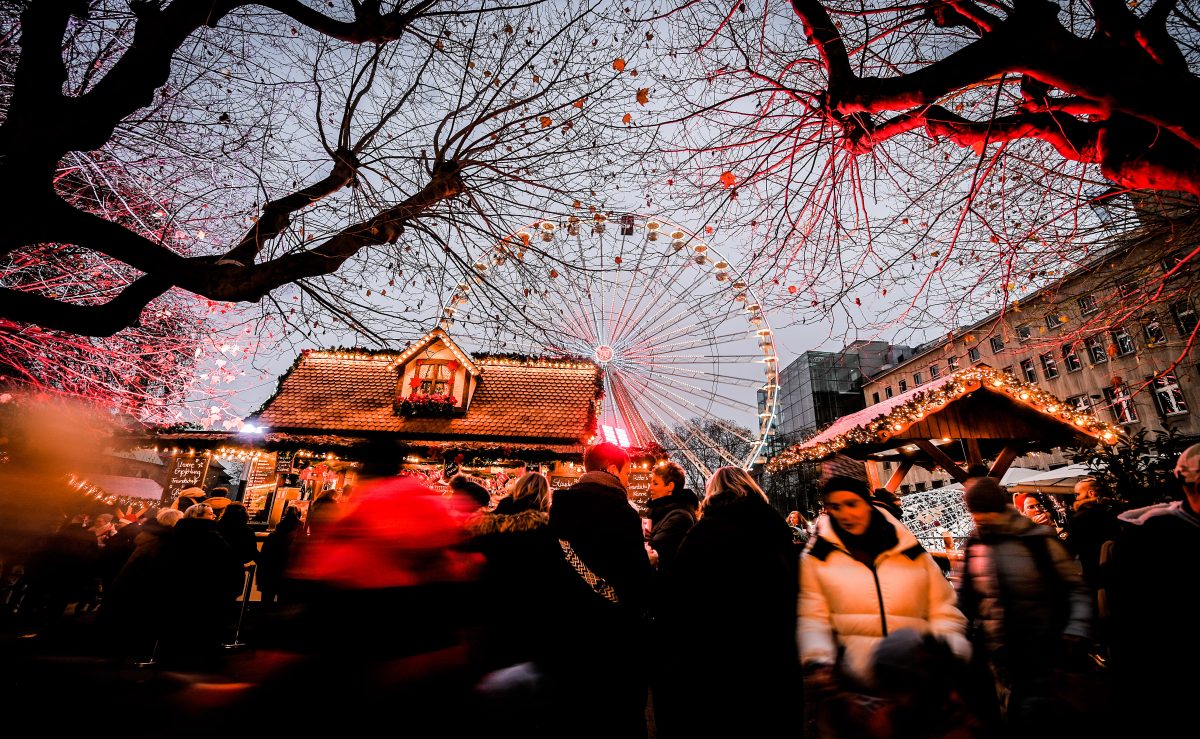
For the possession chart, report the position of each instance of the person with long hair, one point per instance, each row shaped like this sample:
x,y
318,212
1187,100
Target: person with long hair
x,y
729,619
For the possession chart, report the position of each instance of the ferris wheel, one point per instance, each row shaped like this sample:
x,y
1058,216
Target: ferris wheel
x,y
686,352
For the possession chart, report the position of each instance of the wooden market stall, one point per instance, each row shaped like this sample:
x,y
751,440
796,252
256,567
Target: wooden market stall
x,y
968,417
429,409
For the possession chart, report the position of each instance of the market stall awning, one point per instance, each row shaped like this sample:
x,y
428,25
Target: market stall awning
x,y
974,414
127,487
1061,480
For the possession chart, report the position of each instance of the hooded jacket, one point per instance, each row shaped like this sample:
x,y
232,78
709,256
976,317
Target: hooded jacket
x,y
845,604
595,516
1024,590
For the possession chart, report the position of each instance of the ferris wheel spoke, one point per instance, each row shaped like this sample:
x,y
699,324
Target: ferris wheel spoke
x,y
666,349
680,446
690,388
673,328
701,375
628,411
637,319
697,432
595,327
650,322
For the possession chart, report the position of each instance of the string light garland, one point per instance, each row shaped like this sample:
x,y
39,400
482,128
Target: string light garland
x,y
929,401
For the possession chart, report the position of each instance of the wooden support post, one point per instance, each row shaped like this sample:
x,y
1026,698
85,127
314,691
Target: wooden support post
x,y
872,474
958,473
973,454
1003,462
898,476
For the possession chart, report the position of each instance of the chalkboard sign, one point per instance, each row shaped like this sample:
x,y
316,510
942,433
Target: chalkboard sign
x,y
261,471
561,482
639,490
186,472
283,462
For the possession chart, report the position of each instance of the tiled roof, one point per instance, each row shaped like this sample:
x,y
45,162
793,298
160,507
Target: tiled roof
x,y
518,401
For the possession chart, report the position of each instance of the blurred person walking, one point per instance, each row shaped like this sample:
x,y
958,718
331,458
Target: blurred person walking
x,y
1031,611
524,573
865,576
727,626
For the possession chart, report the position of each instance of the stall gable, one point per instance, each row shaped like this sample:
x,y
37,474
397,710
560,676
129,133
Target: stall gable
x,y
437,368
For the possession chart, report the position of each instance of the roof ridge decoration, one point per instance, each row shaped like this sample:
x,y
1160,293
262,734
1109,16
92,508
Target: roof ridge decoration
x,y
909,408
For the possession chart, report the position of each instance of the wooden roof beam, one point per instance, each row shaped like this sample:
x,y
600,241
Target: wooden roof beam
x,y
948,464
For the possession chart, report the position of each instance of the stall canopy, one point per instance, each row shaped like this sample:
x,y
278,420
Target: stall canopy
x,y
972,415
127,487
1061,480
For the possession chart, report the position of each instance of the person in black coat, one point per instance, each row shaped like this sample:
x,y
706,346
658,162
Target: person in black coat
x,y
134,612
234,528
672,515
598,673
276,555
205,578
729,620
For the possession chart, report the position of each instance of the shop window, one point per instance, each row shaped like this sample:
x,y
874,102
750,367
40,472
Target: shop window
x,y
1049,366
973,354
1123,341
1087,305
1070,358
920,486
1120,403
1095,350
874,397
1169,396
934,371
1153,330
997,344
1185,317
1028,371
1008,370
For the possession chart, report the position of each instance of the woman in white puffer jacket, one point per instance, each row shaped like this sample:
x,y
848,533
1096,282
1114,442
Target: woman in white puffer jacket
x,y
865,576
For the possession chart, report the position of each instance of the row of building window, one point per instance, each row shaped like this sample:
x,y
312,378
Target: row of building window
x,y
1168,397
1122,345
1183,311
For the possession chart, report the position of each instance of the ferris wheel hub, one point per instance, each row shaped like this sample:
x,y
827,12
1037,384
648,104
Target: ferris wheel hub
x,y
604,354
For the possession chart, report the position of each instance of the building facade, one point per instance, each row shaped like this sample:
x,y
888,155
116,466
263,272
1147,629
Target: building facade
x,y
1117,338
818,388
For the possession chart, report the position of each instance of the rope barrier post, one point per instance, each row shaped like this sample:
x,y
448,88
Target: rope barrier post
x,y
237,643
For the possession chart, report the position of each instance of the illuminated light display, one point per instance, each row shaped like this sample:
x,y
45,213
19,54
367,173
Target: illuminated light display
x,y
905,410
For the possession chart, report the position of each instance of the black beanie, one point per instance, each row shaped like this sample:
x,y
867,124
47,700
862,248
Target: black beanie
x,y
849,484
985,495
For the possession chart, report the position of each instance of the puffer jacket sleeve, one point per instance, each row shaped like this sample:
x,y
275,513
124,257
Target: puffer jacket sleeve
x,y
945,620
814,629
1079,615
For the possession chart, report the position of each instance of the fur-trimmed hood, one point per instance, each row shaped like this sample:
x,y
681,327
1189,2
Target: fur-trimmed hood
x,y
482,524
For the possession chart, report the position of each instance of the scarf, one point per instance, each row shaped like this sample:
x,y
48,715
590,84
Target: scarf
x,y
879,537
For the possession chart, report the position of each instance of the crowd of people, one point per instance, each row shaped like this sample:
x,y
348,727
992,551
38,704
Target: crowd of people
x,y
566,614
